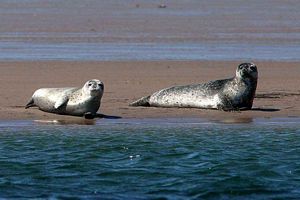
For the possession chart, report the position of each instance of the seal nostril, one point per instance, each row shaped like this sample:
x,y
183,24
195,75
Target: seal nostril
x,y
252,68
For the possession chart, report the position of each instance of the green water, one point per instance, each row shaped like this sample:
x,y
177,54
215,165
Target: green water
x,y
150,160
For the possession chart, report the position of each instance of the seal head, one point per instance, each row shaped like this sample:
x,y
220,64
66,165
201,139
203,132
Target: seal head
x,y
94,88
247,70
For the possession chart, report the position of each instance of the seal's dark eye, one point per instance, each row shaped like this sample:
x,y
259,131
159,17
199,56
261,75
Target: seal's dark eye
x,y
252,68
89,84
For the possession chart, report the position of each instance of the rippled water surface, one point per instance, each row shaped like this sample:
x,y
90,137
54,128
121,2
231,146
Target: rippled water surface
x,y
150,159
26,51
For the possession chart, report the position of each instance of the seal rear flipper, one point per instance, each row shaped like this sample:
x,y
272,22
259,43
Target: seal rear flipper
x,y
144,101
30,104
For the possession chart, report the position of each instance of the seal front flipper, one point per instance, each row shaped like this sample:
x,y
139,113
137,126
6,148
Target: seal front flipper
x,y
89,115
226,104
227,108
30,104
61,102
144,101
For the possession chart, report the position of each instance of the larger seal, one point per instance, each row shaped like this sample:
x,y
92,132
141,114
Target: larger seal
x,y
235,93
83,101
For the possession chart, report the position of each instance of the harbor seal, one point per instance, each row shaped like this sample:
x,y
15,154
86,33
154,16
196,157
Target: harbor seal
x,y
231,94
83,101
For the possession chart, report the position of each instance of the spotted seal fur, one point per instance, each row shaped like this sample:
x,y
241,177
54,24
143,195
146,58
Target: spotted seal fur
x,y
235,93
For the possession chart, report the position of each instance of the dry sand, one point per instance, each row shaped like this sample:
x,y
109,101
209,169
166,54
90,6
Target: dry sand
x,y
278,91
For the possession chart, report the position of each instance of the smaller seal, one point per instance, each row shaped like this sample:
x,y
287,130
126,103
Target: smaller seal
x,y
235,93
83,101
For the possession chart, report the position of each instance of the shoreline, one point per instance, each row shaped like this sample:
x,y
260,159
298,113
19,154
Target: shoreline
x,y
152,121
277,94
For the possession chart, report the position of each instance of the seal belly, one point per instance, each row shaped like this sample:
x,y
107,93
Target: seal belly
x,y
80,106
45,98
184,96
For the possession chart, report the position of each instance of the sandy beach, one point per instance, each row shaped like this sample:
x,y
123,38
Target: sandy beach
x,y
60,44
277,95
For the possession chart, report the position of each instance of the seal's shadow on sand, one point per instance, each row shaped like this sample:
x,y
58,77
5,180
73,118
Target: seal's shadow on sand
x,y
266,109
103,116
76,120
98,115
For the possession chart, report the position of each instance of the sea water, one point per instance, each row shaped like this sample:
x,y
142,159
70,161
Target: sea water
x,y
82,51
150,159
127,30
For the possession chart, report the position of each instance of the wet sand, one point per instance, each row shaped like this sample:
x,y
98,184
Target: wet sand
x,y
268,22
278,91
